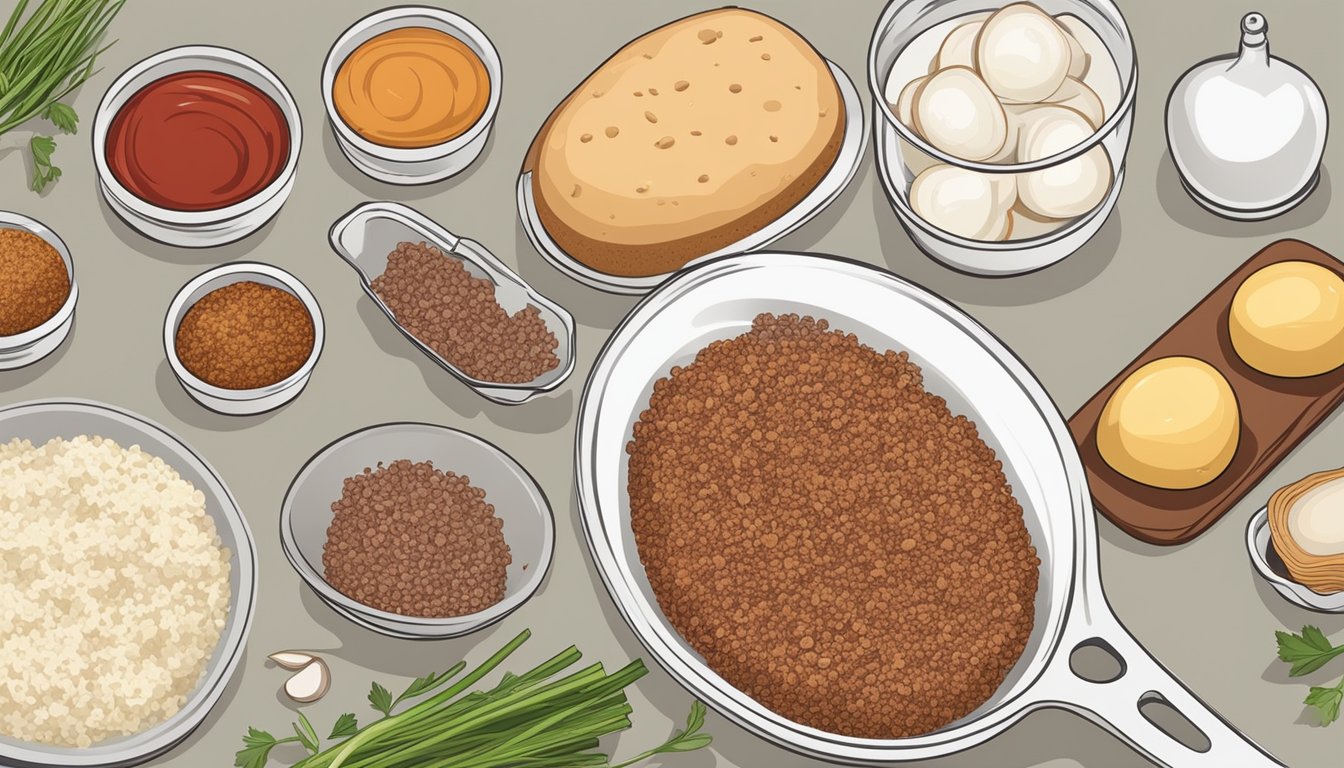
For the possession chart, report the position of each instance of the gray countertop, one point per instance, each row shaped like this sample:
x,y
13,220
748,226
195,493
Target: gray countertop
x,y
1197,607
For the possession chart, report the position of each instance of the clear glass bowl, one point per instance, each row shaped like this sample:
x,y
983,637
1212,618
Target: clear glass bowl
x,y
901,153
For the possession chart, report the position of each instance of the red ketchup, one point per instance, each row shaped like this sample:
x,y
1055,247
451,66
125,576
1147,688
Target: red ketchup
x,y
197,141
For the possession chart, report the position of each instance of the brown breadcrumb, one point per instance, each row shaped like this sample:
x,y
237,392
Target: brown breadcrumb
x,y
455,314
245,335
827,535
416,541
34,282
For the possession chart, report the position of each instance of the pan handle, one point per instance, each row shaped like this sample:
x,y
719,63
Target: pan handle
x,y
1116,704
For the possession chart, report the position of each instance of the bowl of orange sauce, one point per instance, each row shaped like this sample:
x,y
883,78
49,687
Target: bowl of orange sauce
x,y
411,93
197,146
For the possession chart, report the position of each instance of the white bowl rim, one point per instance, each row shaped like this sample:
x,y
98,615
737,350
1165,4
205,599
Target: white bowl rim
x,y
178,309
102,121
11,220
477,620
883,110
463,28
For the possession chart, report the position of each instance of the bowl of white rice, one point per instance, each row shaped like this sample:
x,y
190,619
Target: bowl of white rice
x,y
127,589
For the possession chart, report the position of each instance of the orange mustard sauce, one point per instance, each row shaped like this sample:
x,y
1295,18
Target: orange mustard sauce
x,y
412,87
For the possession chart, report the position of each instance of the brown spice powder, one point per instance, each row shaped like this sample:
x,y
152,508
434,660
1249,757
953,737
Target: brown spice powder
x,y
416,541
827,535
34,282
245,335
438,301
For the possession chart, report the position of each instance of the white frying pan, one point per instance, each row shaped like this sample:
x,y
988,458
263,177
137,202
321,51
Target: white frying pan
x,y
981,379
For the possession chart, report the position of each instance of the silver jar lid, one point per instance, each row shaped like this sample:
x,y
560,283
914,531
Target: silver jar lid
x,y
1247,130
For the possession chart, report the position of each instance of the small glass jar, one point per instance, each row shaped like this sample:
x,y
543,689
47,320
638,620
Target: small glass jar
x,y
902,153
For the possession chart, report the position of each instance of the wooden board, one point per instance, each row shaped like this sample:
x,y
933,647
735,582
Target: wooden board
x,y
1276,414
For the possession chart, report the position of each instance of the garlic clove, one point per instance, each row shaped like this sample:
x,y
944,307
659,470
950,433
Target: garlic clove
x,y
291,660
958,48
1022,53
1076,95
310,683
959,202
955,112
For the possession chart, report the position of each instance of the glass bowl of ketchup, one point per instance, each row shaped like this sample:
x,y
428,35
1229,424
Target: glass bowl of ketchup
x,y
196,146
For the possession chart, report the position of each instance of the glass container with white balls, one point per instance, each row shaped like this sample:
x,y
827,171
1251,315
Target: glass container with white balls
x,y
1002,128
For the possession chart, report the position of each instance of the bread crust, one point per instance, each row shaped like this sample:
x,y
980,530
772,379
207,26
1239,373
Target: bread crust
x,y
656,242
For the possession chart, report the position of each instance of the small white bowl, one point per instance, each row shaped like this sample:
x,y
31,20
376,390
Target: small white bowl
x,y
529,527
32,345
1265,561
195,229
241,402
421,165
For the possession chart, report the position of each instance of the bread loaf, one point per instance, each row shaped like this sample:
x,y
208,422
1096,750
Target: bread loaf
x,y
688,139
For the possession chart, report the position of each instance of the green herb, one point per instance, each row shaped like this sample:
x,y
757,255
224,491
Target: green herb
x,y
307,734
688,740
43,58
381,699
1307,652
1326,700
346,725
543,718
43,171
257,746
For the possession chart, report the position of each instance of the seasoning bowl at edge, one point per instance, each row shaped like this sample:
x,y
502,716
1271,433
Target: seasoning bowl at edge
x,y
418,165
529,527
26,348
241,402
195,228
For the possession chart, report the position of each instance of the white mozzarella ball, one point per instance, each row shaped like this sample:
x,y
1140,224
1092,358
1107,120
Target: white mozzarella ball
x,y
1079,60
959,202
1005,189
1076,95
1022,53
904,106
958,48
1070,188
1048,129
955,112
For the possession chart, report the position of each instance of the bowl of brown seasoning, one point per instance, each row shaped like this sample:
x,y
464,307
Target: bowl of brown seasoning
x,y
457,303
243,338
417,531
37,291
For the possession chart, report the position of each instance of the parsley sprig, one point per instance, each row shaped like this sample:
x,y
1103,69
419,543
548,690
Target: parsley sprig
x,y
43,58
1308,652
